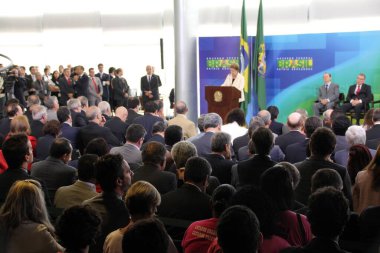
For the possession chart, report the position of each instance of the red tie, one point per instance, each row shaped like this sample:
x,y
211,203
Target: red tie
x,y
95,86
68,81
358,90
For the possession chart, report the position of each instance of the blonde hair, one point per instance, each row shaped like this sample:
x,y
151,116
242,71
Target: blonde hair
x,y
20,125
234,66
142,198
25,202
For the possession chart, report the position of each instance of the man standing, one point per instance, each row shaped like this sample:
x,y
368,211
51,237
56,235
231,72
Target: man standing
x,y
149,86
120,88
66,87
95,88
81,81
358,97
105,79
328,95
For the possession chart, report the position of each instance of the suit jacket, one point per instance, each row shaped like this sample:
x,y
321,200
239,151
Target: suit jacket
x,y
106,88
5,126
308,167
238,143
373,133
79,118
203,144
130,153
317,245
153,85
332,92
70,133
364,94
118,128
157,138
92,131
42,89
297,152
276,127
75,194
81,86
221,167
373,144
19,89
36,127
54,173
119,87
292,137
132,115
65,89
188,127
341,143
114,215
92,94
43,147
147,121
248,172
275,154
164,181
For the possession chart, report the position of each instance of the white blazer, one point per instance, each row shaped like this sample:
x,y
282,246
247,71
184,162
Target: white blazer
x,y
238,84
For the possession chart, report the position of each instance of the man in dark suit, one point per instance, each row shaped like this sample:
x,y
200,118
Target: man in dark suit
x,y
81,81
12,110
322,143
114,176
54,171
248,172
66,87
212,124
31,101
67,130
95,129
295,124
275,127
220,157
158,132
152,171
181,203
18,153
21,86
117,124
120,88
339,126
31,77
328,95
149,86
358,97
78,116
133,109
374,132
105,79
39,114
150,117
297,152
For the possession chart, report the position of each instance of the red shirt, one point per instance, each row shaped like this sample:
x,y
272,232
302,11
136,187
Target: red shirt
x,y
199,236
290,227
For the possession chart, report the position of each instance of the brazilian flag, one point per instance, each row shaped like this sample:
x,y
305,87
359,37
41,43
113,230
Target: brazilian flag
x,y
245,60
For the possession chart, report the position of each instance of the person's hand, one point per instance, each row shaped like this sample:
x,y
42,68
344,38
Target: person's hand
x,y
324,101
75,78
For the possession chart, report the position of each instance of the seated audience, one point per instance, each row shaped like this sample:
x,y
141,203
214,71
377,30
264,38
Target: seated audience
x,y
158,132
117,124
339,126
20,125
326,117
50,132
52,106
368,119
275,127
295,174
77,114
39,115
12,110
67,130
200,234
32,101
150,117
180,119
154,159
374,132
200,124
77,228
236,125
359,157
24,218
105,109
266,117
173,134
295,125
114,176
84,188
133,109
181,152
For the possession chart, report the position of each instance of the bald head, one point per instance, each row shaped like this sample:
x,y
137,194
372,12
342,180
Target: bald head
x,y
294,121
181,107
265,116
122,113
93,114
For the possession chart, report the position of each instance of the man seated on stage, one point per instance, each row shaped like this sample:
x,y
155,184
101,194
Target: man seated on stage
x,y
358,97
236,80
328,95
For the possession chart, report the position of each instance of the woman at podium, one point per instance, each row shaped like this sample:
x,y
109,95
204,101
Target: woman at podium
x,y
236,80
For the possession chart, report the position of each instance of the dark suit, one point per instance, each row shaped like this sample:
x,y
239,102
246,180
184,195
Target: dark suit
x,y
92,131
147,121
36,127
307,169
292,137
152,86
341,143
65,88
275,154
43,147
5,126
373,144
276,127
54,173
164,181
106,88
181,204
79,118
297,152
221,167
238,143
157,138
118,128
19,88
81,86
248,172
365,95
373,133
203,144
28,114
70,133
120,88
131,116
317,245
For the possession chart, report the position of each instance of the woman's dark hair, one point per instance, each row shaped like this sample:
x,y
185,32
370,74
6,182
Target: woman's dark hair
x,y
221,198
358,158
236,115
97,146
374,168
368,118
52,127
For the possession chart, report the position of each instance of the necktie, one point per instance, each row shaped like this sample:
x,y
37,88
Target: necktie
x,y
358,90
95,86
149,79
68,81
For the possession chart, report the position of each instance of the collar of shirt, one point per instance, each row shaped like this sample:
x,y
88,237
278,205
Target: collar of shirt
x,y
91,185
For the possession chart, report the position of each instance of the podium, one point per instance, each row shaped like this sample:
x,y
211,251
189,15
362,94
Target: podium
x,y
222,99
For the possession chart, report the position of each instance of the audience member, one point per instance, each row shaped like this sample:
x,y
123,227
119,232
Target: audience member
x,y
326,117
105,109
24,218
50,132
275,127
117,124
200,124
295,174
158,132
31,101
339,126
154,159
67,130
12,110
133,109
236,125
358,158
78,227
77,114
173,134
83,189
188,127
295,124
181,152
266,117
374,132
39,115
20,125
326,178
150,117
368,119
52,106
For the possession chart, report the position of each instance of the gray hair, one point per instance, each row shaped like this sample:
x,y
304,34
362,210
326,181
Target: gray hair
x,y
83,101
212,120
180,107
33,100
201,121
182,151
254,124
104,106
38,111
73,103
293,171
265,116
92,113
50,102
356,135
219,141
